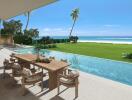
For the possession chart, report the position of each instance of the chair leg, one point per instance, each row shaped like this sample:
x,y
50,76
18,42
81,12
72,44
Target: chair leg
x,y
58,88
42,86
4,73
23,90
76,91
13,72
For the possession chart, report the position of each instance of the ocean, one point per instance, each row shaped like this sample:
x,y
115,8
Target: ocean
x,y
111,39
101,38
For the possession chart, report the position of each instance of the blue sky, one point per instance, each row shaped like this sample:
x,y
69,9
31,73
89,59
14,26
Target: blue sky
x,y
96,18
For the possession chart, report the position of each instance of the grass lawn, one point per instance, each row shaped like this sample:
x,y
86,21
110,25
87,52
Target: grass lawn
x,y
102,50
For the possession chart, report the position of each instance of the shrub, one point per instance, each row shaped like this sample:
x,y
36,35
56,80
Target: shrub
x,y
127,55
73,39
48,40
42,46
22,39
54,46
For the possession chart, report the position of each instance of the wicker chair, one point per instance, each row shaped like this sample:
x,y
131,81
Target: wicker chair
x,y
7,65
31,79
66,68
69,80
12,58
16,68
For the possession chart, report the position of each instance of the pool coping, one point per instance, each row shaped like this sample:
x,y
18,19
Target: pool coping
x,y
92,57
84,55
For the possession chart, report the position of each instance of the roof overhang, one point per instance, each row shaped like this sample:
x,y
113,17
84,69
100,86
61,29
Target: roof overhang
x,y
12,8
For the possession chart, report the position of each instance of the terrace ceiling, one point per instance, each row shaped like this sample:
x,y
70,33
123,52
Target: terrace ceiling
x,y
12,8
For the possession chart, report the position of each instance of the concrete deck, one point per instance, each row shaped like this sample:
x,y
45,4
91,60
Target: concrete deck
x,y
91,87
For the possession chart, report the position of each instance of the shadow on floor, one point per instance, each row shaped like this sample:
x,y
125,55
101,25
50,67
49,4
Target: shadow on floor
x,y
57,98
10,90
1,67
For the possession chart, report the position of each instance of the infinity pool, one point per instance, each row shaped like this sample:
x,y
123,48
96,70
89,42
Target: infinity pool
x,y
114,70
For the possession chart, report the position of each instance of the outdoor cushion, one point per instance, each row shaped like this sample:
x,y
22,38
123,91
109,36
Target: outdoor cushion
x,y
16,66
73,74
66,81
34,78
26,72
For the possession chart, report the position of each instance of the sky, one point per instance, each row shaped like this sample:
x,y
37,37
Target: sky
x,y
96,18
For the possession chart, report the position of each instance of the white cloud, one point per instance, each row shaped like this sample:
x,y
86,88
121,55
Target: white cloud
x,y
46,29
103,31
54,32
111,25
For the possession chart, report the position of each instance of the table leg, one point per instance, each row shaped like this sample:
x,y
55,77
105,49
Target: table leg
x,y
52,80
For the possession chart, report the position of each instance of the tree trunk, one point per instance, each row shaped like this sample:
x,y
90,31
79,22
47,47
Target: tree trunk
x,y
38,54
27,20
72,27
0,27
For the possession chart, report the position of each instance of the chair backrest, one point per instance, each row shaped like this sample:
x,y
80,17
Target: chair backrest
x,y
6,62
73,74
26,72
12,60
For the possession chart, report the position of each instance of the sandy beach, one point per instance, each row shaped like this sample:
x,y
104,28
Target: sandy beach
x,y
113,42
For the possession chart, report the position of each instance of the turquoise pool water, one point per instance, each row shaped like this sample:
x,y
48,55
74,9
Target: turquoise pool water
x,y
110,69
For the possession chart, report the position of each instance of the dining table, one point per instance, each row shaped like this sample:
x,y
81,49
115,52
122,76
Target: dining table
x,y
54,67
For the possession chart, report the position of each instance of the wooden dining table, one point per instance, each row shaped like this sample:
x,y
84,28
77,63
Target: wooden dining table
x,y
54,67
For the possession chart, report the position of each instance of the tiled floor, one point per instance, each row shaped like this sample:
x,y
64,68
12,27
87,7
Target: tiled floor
x,y
90,88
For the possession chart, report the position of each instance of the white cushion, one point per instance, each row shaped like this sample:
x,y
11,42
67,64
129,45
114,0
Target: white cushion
x,y
35,78
26,72
73,73
16,66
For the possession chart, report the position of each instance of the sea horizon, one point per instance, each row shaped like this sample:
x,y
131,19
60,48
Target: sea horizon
x,y
124,39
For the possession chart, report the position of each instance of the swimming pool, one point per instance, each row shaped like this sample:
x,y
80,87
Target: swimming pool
x,y
110,69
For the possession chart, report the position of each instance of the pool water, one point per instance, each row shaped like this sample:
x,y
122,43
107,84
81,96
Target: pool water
x,y
110,69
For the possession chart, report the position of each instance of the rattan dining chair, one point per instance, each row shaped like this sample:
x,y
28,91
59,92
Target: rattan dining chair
x,y
7,66
31,79
16,68
69,80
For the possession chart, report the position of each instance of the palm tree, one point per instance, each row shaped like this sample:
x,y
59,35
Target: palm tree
x,y
74,16
0,26
28,18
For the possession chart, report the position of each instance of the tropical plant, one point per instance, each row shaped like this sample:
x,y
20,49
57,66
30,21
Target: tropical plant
x,y
73,39
37,48
32,33
11,28
46,40
127,55
28,18
22,39
0,26
74,15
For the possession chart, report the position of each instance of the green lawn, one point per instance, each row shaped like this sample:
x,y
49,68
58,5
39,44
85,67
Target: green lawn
x,y
102,50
